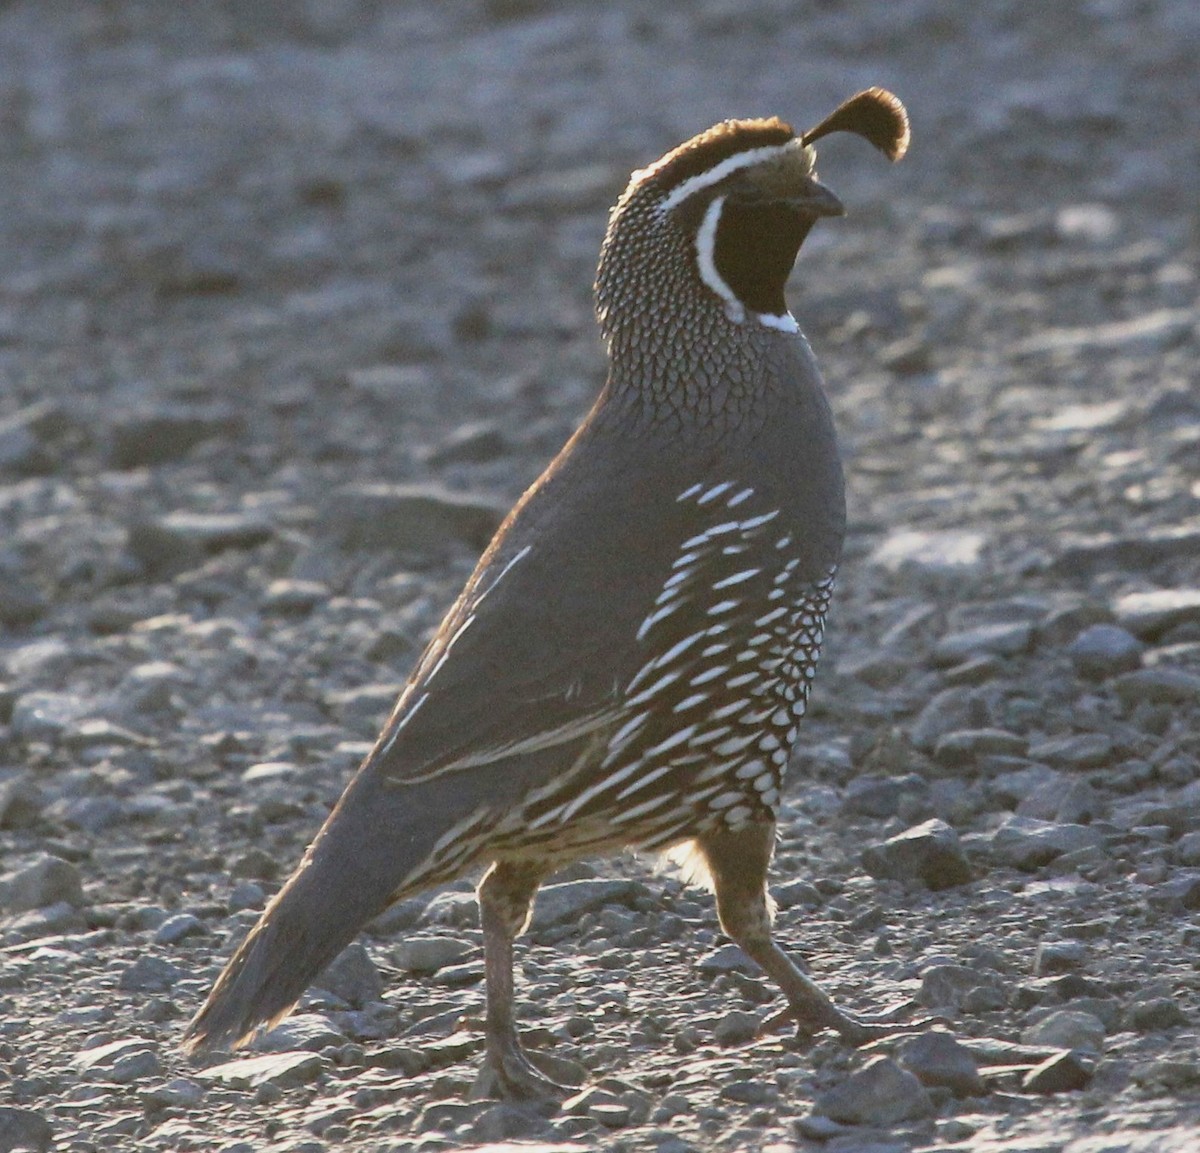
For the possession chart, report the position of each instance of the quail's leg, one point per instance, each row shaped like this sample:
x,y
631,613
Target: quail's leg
x,y
738,865
505,901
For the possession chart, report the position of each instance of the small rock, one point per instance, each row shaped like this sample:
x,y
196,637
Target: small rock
x,y
1076,751
929,853
1108,552
883,797
1151,614
178,1092
797,892
410,518
568,901
1161,685
22,802
937,1058
286,596
748,1092
1178,894
352,977
1066,1029
1150,333
24,1129
1063,800
1058,957
428,954
963,747
726,959
122,1062
283,1070
175,929
951,709
1028,844
149,975
157,435
1154,1014
1058,1074
473,443
947,986
182,540
46,881
46,716
880,1093
309,1031
939,553
459,910
998,640
1104,651
737,1027
503,1123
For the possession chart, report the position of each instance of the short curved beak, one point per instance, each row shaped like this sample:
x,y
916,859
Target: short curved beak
x,y
815,200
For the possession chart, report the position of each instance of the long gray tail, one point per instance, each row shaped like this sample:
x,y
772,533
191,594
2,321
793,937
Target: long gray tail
x,y
377,838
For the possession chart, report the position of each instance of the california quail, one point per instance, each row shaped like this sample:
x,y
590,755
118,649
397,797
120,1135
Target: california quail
x,y
629,662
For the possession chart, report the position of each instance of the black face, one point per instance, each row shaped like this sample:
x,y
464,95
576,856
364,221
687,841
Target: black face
x,y
755,248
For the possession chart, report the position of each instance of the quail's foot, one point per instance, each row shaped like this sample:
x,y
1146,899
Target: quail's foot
x,y
509,1075
810,1019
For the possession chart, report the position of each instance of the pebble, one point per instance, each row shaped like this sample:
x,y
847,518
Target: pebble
x,y
155,435
998,640
880,1093
943,553
46,716
175,929
428,954
963,747
282,1070
1155,1014
1061,1073
882,797
47,880
352,977
1160,685
1054,957
286,596
1105,651
936,1058
122,1062
945,712
1066,1029
948,986
149,975
310,1031
178,541
459,910
24,1129
1026,843
1074,752
737,1027
503,1122
726,959
1149,615
565,902
409,518
928,853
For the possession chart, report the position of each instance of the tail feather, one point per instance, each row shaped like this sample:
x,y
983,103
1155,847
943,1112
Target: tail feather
x,y
376,838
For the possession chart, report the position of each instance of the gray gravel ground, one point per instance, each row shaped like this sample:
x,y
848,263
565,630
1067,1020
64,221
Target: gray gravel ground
x,y
295,299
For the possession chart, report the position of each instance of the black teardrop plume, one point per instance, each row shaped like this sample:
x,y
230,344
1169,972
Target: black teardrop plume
x,y
875,115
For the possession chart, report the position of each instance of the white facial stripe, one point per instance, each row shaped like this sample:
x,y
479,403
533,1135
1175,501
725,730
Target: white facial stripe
x,y
719,172
785,323
706,248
